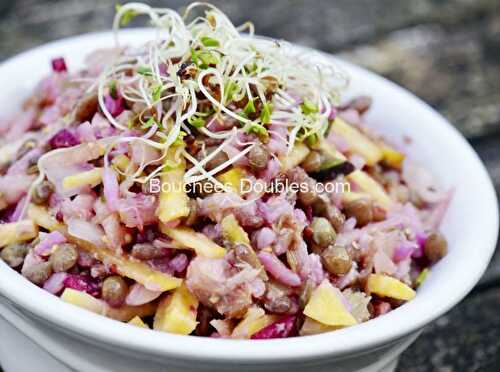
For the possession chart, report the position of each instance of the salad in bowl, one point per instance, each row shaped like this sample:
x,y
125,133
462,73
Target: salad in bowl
x,y
213,183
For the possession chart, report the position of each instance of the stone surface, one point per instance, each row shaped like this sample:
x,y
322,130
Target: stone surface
x,y
446,52
465,339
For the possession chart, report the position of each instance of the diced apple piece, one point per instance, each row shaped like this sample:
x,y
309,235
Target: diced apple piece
x,y
224,327
312,327
84,300
232,179
177,312
326,306
90,178
295,157
123,313
136,321
17,232
42,218
350,196
174,202
137,270
200,243
386,286
255,320
368,185
392,157
232,231
358,142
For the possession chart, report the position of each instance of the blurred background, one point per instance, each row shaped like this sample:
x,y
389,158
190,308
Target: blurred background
x,y
445,51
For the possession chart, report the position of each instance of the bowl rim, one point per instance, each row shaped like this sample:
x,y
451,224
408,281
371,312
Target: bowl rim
x,y
362,337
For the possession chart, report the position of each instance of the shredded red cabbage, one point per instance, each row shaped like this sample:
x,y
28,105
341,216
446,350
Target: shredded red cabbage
x,y
59,65
63,138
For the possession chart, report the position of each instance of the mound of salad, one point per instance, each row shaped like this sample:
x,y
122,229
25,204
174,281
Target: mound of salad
x,y
121,187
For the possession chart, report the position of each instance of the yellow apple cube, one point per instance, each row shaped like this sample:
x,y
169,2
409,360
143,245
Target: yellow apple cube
x,y
137,270
233,179
386,286
312,327
124,313
42,218
174,202
392,157
137,321
17,232
177,312
200,243
83,300
350,196
358,142
326,306
255,320
232,231
295,157
371,187
90,178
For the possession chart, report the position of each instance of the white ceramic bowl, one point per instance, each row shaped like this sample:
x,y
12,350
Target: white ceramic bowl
x,y
58,336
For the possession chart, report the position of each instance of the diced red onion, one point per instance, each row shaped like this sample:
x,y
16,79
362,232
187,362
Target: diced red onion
x,y
86,231
333,114
30,260
258,287
14,187
264,238
55,283
85,132
81,207
272,170
44,248
421,238
16,214
278,270
233,152
278,139
111,189
439,210
140,295
351,116
339,142
275,208
317,273
24,122
161,264
138,211
115,106
211,231
422,182
404,251
383,264
20,167
114,230
179,263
